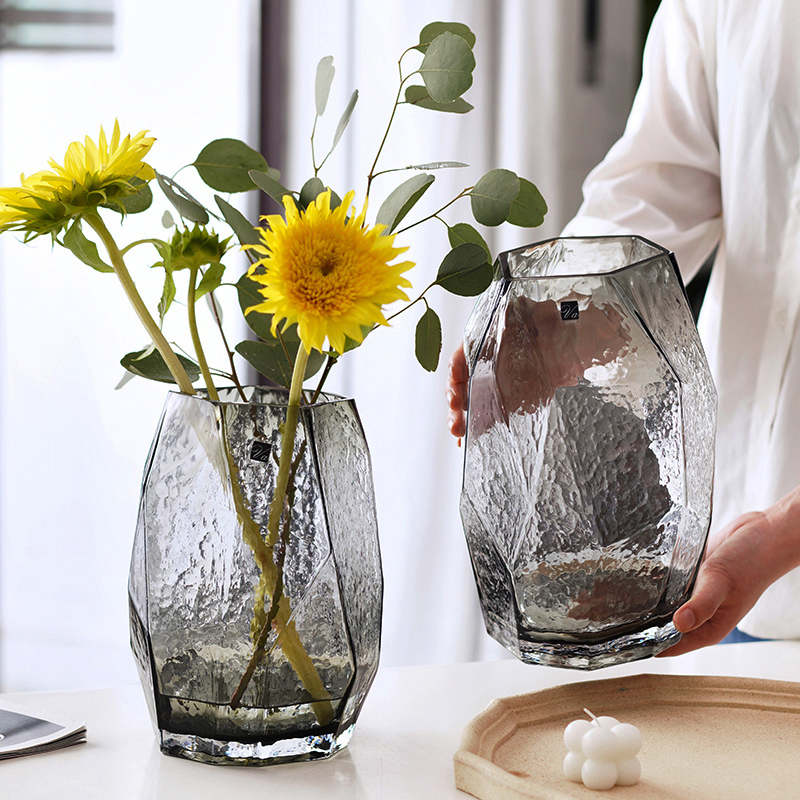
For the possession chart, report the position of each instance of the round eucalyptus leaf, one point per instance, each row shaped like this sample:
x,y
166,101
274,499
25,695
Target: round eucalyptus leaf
x,y
528,207
240,225
345,118
311,189
148,363
434,29
270,186
462,232
447,68
184,203
465,270
249,296
270,360
224,165
492,196
428,340
402,200
322,84
418,96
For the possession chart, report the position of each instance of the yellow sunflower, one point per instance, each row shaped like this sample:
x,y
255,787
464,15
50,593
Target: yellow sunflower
x,y
93,174
327,272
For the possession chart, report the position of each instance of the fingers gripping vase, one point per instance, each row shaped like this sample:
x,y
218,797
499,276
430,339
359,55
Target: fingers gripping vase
x,y
206,582
589,452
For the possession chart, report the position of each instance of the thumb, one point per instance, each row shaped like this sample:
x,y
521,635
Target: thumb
x,y
711,589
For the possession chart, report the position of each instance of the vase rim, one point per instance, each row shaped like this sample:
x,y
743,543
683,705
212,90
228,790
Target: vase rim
x,y
659,252
324,399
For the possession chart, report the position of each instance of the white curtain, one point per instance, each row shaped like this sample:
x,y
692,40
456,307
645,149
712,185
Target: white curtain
x,y
533,114
72,449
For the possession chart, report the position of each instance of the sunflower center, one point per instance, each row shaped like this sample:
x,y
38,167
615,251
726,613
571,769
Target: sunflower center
x,y
327,265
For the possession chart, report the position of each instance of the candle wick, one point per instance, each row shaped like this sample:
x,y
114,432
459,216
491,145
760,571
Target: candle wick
x,y
595,721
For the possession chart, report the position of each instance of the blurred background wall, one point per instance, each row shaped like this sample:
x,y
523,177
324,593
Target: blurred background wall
x,y
554,82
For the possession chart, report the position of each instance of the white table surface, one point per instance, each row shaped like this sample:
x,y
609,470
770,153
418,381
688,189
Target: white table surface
x,y
403,744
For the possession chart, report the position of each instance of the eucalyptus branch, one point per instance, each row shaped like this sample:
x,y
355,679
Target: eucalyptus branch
x,y
415,301
372,174
325,372
435,214
118,263
234,376
313,156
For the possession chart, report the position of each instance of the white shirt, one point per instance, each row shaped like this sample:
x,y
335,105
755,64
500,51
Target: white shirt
x,y
710,155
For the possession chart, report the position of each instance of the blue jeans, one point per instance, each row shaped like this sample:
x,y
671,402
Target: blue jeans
x,y
738,637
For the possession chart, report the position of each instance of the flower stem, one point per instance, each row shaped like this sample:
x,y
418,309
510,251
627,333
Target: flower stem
x,y
198,347
280,616
118,263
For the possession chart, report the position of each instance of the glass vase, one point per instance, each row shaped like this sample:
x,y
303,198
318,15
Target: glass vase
x,y
589,452
253,651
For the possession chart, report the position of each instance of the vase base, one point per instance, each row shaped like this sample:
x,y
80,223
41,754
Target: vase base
x,y
586,656
283,751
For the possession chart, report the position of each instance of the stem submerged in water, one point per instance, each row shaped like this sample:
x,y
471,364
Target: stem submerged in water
x,y
271,567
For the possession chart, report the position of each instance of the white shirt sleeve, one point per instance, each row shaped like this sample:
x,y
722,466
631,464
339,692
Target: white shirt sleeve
x,y
661,179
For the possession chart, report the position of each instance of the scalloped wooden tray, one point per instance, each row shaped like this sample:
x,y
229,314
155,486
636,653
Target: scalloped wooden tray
x,y
705,738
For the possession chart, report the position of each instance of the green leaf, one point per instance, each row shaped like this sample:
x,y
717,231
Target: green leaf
x,y
270,186
428,340
224,165
345,118
240,225
167,294
184,203
528,208
492,196
167,220
322,85
260,324
212,278
438,165
270,360
434,29
462,232
148,363
83,248
402,200
311,189
418,96
465,270
447,67
138,202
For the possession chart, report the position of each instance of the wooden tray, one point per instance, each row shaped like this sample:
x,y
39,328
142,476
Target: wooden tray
x,y
705,738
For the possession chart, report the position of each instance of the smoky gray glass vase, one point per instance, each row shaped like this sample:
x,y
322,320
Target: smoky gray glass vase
x,y
589,452
251,650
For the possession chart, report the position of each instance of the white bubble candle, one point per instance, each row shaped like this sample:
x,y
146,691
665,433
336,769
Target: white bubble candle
x,y
602,752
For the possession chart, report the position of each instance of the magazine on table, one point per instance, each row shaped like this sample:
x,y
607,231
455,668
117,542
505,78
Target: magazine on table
x,y
23,735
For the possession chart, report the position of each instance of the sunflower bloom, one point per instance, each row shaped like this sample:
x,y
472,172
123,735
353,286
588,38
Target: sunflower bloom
x,y
93,174
327,272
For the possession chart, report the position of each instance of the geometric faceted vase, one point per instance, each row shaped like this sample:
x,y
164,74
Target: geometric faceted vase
x,y
254,648
589,453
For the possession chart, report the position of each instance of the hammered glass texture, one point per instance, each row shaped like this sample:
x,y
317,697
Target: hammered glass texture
x,y
193,578
589,455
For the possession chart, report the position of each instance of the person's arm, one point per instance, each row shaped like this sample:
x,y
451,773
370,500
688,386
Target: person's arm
x,y
661,179
741,561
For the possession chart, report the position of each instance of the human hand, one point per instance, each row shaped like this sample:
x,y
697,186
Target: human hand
x,y
457,388
741,561
536,353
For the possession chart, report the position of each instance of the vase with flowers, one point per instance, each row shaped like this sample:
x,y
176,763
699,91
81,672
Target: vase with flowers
x,y
255,585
